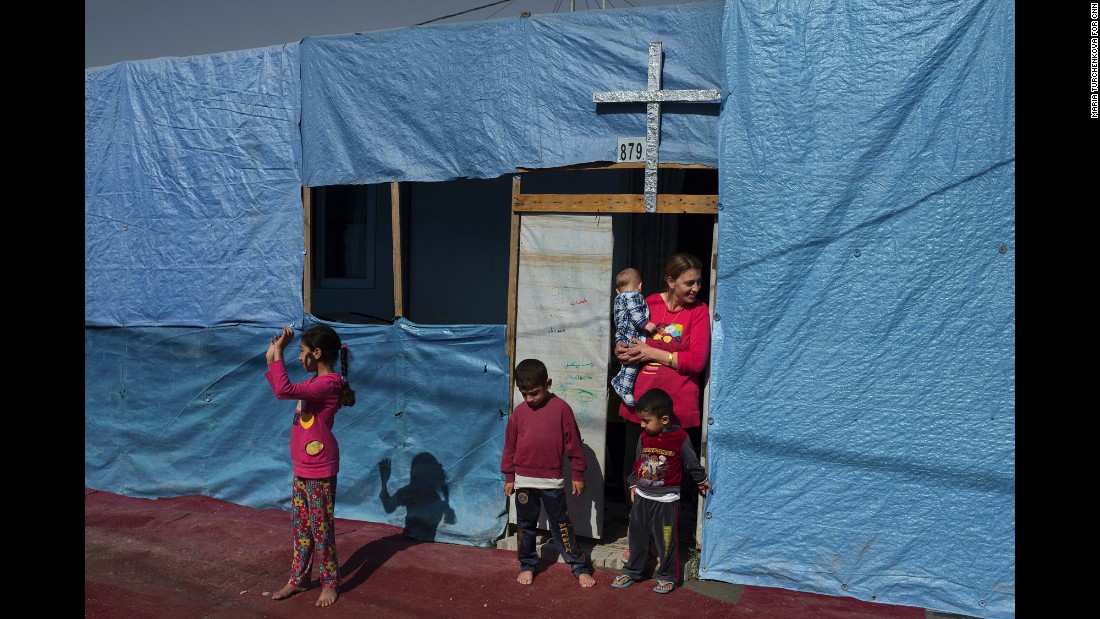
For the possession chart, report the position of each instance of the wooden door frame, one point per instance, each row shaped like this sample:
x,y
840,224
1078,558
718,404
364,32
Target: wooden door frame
x,y
587,203
395,233
595,204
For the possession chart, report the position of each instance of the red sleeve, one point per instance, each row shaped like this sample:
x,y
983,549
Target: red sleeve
x,y
574,447
315,388
507,460
693,358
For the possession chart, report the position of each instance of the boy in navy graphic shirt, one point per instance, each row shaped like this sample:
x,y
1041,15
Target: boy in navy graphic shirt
x,y
664,461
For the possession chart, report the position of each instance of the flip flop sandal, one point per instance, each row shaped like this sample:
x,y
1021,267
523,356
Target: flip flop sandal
x,y
622,581
664,583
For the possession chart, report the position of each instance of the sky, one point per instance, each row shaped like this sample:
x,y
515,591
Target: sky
x,y
117,30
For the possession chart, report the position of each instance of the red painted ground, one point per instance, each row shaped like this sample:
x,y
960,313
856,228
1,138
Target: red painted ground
x,y
194,556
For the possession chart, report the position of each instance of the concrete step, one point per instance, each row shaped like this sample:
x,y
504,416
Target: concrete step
x,y
607,551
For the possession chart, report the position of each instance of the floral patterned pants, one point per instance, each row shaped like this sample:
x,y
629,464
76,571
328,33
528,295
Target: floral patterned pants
x,y
314,527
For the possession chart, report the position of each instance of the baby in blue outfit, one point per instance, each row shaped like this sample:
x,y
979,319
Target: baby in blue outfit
x,y
631,321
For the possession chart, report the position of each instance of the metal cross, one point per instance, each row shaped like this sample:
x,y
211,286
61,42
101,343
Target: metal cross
x,y
653,97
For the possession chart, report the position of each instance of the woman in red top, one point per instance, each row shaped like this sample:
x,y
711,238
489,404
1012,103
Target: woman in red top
x,y
675,355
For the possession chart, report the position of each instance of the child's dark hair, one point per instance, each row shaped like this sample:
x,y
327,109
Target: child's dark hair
x,y
656,401
530,373
326,338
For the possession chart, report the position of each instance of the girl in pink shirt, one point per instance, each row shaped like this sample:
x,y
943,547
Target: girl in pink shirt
x,y
313,451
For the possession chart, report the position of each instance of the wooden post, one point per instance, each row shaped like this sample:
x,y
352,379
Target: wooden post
x,y
513,286
307,274
395,232
704,414
612,203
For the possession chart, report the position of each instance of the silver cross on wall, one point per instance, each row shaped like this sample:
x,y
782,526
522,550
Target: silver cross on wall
x,y
653,97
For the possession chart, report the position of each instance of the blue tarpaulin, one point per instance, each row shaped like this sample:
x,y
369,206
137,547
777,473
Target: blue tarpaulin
x,y
863,378
177,411
192,184
517,93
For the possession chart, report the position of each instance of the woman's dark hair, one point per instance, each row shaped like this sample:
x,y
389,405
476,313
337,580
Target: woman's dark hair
x,y
326,338
678,263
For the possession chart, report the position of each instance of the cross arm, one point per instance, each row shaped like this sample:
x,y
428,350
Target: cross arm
x,y
655,96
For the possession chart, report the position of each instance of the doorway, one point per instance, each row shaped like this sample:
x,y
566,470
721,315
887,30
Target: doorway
x,y
645,242
685,221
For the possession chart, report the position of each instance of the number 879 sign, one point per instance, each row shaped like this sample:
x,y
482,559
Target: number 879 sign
x,y
630,149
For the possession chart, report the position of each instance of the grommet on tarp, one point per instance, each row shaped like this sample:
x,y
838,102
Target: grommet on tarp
x,y
710,421
708,515
857,253
1003,249
844,586
717,317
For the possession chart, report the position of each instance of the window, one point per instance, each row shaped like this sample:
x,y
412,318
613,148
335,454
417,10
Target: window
x,y
451,258
348,216
350,254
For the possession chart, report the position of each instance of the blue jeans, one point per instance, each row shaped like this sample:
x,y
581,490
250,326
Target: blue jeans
x,y
528,504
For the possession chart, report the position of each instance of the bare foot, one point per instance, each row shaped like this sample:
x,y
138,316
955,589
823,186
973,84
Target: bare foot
x,y
525,577
328,596
586,580
287,591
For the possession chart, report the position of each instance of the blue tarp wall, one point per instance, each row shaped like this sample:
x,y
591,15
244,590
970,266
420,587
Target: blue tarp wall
x,y
171,411
863,371
863,383
497,96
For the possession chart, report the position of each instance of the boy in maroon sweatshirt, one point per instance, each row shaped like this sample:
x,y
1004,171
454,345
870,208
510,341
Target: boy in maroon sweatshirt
x,y
540,431
664,463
